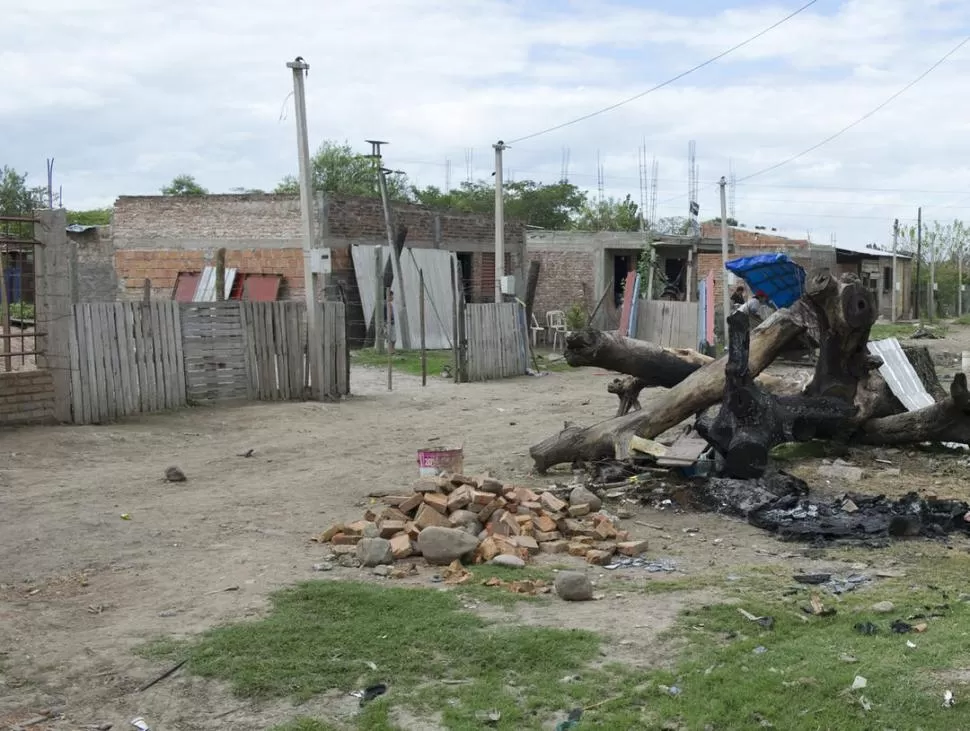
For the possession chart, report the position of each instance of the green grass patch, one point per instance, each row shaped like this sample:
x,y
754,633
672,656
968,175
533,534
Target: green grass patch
x,y
322,636
406,361
883,330
21,311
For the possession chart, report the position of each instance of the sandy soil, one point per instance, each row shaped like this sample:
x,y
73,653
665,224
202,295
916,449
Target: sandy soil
x,y
80,586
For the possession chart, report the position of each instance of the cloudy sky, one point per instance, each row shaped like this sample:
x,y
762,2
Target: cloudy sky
x,y
126,94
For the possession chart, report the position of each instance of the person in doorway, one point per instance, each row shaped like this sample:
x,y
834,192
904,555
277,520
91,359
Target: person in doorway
x,y
737,296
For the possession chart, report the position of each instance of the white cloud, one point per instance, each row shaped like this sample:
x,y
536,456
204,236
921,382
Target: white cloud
x,y
125,95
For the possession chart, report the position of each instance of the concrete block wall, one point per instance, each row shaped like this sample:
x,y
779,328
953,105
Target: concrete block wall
x,y
26,397
97,280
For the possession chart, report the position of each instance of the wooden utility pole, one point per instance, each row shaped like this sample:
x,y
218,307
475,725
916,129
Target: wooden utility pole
x,y
400,297
499,221
919,258
221,275
725,296
893,283
314,345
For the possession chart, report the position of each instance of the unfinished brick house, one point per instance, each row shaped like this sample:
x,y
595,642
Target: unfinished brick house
x,y
159,238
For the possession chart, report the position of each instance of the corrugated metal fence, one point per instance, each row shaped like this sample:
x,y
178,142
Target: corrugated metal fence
x,y
128,358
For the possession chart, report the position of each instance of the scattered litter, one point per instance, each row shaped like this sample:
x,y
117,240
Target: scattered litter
x,y
760,650
141,723
369,693
125,516
883,607
571,679
766,622
901,627
948,699
371,665
848,658
817,609
219,591
850,583
247,453
572,720
921,627
812,578
866,628
455,573
910,644
859,683
864,702
323,567
162,677
488,717
654,567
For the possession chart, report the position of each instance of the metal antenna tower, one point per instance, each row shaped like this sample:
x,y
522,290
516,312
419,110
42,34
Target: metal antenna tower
x,y
469,165
693,209
600,178
447,175
642,166
564,171
732,190
654,176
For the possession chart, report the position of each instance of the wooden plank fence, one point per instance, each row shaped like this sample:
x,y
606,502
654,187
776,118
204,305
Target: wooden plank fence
x,y
129,358
668,324
497,341
126,358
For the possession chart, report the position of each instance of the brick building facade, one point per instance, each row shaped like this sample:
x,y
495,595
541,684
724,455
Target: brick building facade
x,y
157,237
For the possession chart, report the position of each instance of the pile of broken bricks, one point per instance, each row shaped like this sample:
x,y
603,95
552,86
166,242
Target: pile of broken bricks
x,y
476,519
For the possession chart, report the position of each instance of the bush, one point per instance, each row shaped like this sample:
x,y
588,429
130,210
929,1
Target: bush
x,y
576,317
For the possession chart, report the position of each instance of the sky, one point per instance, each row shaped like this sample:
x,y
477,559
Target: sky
x,y
127,94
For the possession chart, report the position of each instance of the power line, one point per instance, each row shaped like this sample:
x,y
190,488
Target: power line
x,y
668,81
865,116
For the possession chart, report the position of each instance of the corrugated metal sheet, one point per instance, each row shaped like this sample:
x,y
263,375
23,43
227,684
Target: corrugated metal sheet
x,y
261,287
439,305
206,290
900,374
185,286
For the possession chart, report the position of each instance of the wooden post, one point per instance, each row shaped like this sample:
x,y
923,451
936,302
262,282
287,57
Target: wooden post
x,y
455,271
424,352
146,292
378,300
390,338
5,315
221,275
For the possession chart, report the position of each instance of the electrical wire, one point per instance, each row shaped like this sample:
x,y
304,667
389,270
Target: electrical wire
x,y
864,117
679,76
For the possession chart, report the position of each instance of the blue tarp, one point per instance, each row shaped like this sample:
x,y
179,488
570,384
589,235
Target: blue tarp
x,y
775,274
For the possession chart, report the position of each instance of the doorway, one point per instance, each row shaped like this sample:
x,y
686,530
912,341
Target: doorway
x,y
622,265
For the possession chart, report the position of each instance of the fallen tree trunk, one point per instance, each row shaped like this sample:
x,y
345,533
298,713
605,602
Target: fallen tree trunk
x,y
696,392
945,421
751,421
652,364
628,391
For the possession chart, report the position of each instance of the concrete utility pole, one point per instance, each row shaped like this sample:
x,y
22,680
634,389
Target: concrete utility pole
x,y
499,221
725,296
932,302
893,283
403,325
300,67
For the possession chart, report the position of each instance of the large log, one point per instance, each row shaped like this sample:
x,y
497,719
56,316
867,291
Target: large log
x,y
652,364
945,421
751,421
699,390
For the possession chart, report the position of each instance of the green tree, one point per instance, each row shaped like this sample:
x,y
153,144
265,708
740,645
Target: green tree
x,y
184,185
671,225
15,198
554,206
337,169
247,191
93,217
611,214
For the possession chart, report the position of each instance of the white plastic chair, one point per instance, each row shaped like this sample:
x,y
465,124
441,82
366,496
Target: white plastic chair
x,y
536,329
556,324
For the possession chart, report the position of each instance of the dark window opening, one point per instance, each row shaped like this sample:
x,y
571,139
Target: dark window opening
x,y
621,267
887,279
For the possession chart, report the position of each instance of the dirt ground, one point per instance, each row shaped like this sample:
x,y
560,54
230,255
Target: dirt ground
x,y
81,586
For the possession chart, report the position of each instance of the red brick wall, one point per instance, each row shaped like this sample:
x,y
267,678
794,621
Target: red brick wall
x,y
561,278
26,397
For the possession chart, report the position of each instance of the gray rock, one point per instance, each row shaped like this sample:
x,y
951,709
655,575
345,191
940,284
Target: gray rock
x,y
174,474
348,561
462,517
374,552
372,531
505,560
883,607
844,472
441,546
581,495
574,586
382,570
473,528
323,567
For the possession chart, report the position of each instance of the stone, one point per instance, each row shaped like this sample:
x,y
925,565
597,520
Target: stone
x,y
427,517
348,561
553,504
382,570
374,552
544,523
343,539
542,536
459,498
579,510
598,558
174,474
581,495
528,543
411,503
506,560
632,548
390,528
554,547
330,532
474,528
371,531
486,551
461,517
490,484
577,549
401,546
883,607
438,501
574,586
844,472
440,546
